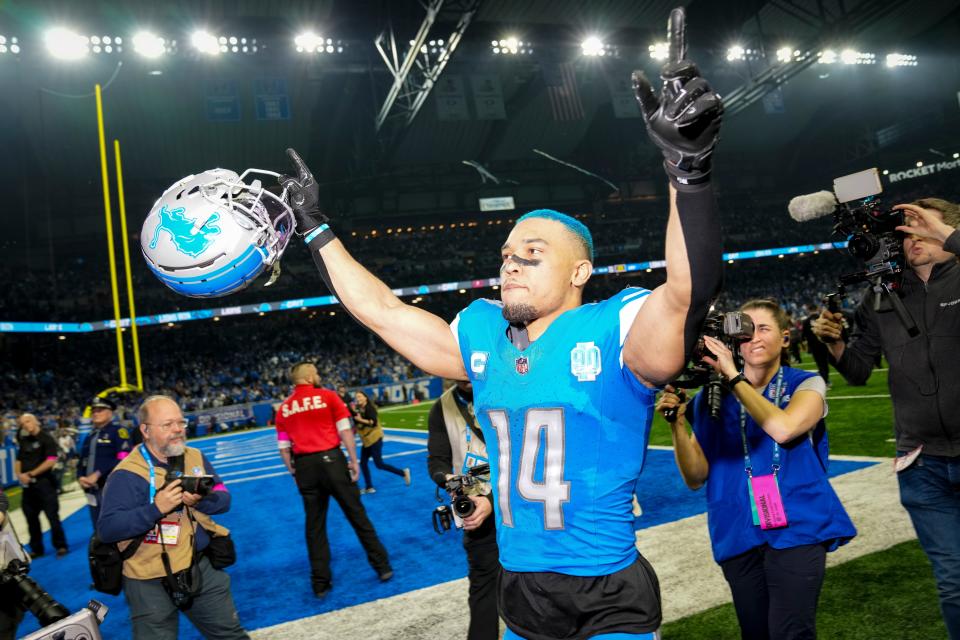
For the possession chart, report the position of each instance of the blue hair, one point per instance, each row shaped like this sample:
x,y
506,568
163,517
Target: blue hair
x,y
575,226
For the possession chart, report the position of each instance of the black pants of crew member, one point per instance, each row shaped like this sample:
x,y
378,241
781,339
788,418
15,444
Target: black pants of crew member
x,y
483,559
775,591
319,476
39,497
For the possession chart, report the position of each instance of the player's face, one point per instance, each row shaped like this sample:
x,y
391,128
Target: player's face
x,y
923,251
539,259
165,433
767,342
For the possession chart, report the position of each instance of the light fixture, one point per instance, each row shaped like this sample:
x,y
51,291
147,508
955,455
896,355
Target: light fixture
x,y
736,53
901,60
205,42
659,50
592,46
65,44
149,45
919,163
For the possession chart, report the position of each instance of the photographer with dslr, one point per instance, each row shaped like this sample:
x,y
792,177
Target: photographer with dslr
x,y
180,550
924,384
772,513
455,444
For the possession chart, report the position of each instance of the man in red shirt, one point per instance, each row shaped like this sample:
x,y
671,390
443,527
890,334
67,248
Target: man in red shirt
x,y
311,425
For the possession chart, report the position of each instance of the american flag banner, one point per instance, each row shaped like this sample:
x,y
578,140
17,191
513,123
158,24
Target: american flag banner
x,y
561,81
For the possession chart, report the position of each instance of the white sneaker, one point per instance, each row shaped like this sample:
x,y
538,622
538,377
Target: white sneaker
x,y
370,490
406,476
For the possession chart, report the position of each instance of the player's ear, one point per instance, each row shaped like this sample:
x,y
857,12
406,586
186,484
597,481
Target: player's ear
x,y
582,270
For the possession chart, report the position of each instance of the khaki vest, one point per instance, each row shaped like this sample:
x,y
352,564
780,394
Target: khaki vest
x,y
457,431
146,563
370,433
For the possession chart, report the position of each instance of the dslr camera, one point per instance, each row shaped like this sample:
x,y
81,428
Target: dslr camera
x,y
30,596
732,328
461,488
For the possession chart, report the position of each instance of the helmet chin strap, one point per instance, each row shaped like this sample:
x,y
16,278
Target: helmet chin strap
x,y
274,275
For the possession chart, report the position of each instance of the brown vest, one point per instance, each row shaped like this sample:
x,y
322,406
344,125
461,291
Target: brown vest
x,y
146,563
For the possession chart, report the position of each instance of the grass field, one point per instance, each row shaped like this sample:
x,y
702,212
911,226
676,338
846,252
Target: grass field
x,y
885,594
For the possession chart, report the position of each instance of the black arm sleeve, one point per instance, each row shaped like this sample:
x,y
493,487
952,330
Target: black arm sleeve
x,y
439,453
856,363
700,222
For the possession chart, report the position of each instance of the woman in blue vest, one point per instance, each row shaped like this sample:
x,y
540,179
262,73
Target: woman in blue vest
x,y
772,513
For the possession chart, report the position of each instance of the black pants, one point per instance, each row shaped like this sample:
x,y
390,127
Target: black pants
x,y
39,497
319,476
11,613
775,591
483,558
375,451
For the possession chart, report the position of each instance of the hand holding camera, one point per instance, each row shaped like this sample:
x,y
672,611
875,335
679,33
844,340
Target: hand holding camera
x,y
672,404
828,327
169,497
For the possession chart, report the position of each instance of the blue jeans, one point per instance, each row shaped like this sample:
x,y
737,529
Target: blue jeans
x,y
930,492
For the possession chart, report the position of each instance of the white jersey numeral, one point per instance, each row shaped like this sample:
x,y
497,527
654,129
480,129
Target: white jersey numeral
x,y
553,491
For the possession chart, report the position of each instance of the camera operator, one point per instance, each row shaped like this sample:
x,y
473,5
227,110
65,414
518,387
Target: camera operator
x,y
454,433
174,567
772,513
924,385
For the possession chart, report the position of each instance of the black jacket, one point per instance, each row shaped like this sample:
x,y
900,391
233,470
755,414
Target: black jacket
x,y
924,374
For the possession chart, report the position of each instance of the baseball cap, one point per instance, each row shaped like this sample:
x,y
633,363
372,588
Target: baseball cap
x,y
103,402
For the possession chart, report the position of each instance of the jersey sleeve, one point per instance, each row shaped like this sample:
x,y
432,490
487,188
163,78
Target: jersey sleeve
x,y
283,437
474,329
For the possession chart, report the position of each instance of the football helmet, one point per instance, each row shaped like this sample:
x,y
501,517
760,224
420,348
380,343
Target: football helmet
x,y
213,233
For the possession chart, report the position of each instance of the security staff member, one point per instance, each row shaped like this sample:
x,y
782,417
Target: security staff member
x,y
36,457
454,444
174,529
311,425
105,446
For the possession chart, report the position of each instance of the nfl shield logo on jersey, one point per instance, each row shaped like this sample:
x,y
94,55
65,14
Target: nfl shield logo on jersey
x,y
585,361
523,365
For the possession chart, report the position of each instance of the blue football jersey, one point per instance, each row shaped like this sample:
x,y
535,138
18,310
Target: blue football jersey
x,y
566,426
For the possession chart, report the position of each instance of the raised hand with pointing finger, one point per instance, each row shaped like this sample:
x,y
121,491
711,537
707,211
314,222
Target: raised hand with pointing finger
x,y
684,119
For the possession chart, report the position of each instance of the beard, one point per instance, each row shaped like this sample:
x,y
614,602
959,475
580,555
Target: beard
x,y
520,313
173,450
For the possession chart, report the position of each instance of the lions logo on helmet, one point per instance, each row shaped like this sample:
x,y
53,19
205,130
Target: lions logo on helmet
x,y
212,233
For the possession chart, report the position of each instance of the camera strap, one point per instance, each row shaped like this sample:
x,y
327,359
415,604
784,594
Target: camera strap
x,y
171,579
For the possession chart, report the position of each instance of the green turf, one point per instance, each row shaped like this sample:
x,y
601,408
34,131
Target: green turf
x,y
888,594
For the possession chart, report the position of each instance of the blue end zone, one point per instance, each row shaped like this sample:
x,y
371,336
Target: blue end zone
x,y
271,580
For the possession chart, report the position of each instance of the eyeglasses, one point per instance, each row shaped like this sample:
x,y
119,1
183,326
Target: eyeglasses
x,y
169,424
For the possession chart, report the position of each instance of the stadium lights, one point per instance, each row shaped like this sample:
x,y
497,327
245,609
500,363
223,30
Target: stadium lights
x,y
511,46
956,155
919,163
594,47
659,50
901,60
205,42
11,44
850,56
106,44
149,45
309,42
827,56
434,47
65,44
736,52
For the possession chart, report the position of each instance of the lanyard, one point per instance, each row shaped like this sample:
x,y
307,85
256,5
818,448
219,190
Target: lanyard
x,y
775,464
470,459
153,489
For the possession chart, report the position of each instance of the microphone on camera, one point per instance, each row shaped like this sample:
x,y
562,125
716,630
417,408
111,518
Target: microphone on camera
x,y
812,206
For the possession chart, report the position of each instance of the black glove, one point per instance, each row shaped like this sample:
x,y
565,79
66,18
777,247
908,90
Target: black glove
x,y
685,120
303,194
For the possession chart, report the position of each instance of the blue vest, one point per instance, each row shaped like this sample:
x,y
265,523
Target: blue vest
x,y
566,427
814,512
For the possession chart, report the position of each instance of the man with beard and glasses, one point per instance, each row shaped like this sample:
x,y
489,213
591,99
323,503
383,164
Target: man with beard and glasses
x,y
564,391
144,503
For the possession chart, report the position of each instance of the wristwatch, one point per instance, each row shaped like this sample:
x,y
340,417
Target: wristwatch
x,y
735,380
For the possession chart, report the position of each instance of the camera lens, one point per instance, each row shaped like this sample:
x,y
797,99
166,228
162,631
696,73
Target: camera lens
x,y
463,506
32,597
863,245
